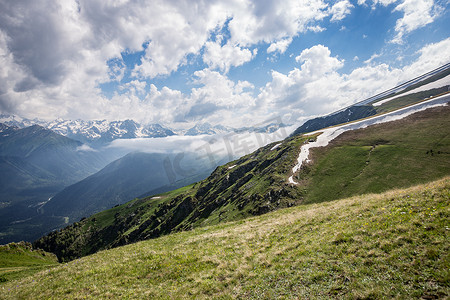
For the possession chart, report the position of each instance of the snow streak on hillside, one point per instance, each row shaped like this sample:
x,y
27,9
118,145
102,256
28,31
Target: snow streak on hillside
x,y
331,133
432,85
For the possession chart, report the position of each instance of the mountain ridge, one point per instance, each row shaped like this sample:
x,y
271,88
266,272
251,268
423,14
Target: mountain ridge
x,y
98,133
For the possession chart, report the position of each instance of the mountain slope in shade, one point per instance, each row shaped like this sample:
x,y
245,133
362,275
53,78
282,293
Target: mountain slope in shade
x,y
59,155
121,181
36,163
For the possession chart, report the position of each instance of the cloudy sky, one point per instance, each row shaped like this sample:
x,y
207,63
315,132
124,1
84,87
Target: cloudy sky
x,y
231,62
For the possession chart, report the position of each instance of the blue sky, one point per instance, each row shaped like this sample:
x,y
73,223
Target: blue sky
x,y
234,63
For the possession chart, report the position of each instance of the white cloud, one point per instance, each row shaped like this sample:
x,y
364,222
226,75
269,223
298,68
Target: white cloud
x,y
218,98
317,88
72,41
54,55
224,57
216,147
430,57
340,10
269,21
135,87
279,46
316,61
372,58
316,28
86,148
417,14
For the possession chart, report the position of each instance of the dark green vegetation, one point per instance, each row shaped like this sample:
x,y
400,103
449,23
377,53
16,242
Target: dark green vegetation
x,y
396,154
393,245
18,260
119,182
36,163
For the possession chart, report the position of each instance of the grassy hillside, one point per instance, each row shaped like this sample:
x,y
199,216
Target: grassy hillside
x,y
409,99
392,245
381,157
18,260
370,160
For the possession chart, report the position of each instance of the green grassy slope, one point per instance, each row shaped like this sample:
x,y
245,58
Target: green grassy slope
x,y
433,78
392,245
375,159
381,157
409,99
18,260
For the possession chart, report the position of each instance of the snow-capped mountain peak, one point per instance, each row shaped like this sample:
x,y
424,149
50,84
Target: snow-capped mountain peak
x,y
93,131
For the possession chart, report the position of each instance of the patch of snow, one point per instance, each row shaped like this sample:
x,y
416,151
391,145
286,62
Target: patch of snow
x,y
291,180
86,148
275,147
432,85
231,167
328,134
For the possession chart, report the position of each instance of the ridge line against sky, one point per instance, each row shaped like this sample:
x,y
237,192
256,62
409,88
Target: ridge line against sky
x,y
233,63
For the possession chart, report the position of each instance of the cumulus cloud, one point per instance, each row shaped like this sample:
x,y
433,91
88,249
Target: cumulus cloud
x,y
416,14
317,88
218,98
268,21
135,87
279,46
55,56
316,61
226,56
340,10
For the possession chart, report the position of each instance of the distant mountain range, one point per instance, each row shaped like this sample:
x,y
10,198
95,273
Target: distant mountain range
x,y
48,180
101,132
93,132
